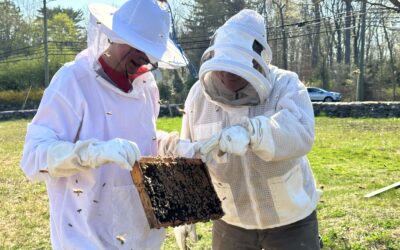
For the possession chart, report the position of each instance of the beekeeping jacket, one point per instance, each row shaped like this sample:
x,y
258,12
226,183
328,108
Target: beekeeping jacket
x,y
97,208
271,185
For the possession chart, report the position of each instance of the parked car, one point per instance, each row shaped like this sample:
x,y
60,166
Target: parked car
x,y
322,95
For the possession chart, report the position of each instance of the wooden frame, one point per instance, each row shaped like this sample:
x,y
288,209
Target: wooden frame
x,y
138,178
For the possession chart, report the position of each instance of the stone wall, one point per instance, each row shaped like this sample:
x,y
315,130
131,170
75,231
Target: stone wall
x,y
17,114
331,109
357,109
171,110
5,106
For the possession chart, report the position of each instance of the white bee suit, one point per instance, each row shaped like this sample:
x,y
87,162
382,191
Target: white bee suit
x,y
78,106
272,183
93,202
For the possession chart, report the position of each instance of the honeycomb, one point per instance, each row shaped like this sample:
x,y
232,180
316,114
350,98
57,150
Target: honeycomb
x,y
176,191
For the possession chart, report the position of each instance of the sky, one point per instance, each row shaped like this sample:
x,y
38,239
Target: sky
x,y
30,7
81,4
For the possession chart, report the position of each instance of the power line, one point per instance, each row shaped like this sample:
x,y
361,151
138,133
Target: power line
x,y
297,29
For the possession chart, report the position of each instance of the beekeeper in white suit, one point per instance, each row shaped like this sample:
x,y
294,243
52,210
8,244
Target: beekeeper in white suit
x,y
96,118
253,125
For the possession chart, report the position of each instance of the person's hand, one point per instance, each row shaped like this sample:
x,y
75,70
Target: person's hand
x,y
65,158
170,145
119,151
254,126
233,140
167,143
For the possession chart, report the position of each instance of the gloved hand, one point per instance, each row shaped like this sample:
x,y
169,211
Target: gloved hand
x,y
255,127
261,136
120,151
66,159
233,140
170,145
167,143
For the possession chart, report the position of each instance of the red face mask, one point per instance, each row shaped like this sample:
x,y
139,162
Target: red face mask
x,y
141,70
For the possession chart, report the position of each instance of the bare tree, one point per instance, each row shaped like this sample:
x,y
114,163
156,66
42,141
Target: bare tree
x,y
316,38
281,6
395,3
347,36
392,59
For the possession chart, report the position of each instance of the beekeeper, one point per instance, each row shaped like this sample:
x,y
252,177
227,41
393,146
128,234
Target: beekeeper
x,y
253,125
96,118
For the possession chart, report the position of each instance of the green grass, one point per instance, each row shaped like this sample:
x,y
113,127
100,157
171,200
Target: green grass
x,y
350,158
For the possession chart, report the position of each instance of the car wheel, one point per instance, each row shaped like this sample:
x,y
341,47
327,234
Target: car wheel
x,y
328,99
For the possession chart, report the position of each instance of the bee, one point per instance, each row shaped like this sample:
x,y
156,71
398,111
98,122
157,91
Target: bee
x,y
121,238
95,201
104,184
78,191
79,210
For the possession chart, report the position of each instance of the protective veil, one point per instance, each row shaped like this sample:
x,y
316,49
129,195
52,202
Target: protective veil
x,y
269,183
238,47
72,142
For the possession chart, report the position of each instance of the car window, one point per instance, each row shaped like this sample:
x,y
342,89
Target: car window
x,y
313,90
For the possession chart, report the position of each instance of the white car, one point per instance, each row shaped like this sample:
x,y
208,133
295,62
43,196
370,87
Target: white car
x,y
322,95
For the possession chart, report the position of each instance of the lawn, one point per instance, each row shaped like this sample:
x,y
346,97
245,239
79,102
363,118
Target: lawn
x,y
350,158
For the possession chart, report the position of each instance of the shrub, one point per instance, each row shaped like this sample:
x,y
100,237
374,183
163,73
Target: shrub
x,y
12,99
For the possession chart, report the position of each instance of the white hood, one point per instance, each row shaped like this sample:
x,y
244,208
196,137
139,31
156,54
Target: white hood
x,y
234,49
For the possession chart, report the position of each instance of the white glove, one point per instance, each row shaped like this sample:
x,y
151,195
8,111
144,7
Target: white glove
x,y
255,126
167,143
261,137
66,159
171,146
233,140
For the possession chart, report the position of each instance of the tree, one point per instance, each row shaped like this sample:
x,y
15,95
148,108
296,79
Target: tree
x,y
68,16
178,87
316,38
347,32
389,42
61,28
395,3
13,30
281,6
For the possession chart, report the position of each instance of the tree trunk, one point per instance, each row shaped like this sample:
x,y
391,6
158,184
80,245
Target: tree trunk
x,y
285,40
339,50
360,82
392,60
316,40
281,7
347,32
356,34
380,52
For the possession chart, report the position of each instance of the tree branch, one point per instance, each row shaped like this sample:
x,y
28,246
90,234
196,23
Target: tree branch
x,y
394,2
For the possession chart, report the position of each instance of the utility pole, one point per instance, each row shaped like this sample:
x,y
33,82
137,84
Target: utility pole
x,y
46,50
360,82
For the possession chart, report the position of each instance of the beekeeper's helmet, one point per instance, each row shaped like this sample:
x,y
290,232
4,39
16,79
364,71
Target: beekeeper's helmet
x,y
239,47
